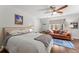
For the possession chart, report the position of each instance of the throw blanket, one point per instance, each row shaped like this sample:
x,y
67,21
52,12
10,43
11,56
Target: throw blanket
x,y
45,39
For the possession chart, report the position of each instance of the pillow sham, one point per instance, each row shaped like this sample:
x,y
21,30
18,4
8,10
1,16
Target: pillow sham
x,y
16,32
24,31
45,39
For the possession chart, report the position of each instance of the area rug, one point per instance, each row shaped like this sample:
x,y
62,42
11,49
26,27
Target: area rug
x,y
63,43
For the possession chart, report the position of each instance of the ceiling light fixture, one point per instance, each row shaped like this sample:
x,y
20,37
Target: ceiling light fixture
x,y
54,12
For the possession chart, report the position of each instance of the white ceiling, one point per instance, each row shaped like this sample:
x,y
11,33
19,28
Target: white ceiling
x,y
36,9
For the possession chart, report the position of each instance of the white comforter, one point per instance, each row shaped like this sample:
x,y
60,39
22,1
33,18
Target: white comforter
x,y
26,44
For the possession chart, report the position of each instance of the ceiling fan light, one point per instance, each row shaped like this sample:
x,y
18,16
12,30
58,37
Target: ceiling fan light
x,y
54,12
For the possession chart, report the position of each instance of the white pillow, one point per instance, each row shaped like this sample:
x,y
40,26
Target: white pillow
x,y
15,32
24,31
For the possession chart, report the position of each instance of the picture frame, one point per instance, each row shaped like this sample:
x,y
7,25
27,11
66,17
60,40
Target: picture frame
x,y
74,25
18,19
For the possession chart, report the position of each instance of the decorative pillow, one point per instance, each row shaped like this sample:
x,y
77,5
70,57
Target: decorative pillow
x,y
45,39
61,32
24,31
17,32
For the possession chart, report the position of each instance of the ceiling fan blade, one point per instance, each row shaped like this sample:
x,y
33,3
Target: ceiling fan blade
x,y
59,11
62,7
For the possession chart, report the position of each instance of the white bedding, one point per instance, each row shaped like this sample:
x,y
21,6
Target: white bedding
x,y
26,44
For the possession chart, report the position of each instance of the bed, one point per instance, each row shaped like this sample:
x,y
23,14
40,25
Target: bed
x,y
24,42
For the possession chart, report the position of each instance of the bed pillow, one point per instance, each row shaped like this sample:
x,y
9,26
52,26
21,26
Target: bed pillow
x,y
24,31
45,39
18,32
15,32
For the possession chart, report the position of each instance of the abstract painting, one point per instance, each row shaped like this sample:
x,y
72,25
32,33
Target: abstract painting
x,y
18,19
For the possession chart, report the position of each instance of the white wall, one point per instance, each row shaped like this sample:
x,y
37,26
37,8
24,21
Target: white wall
x,y
44,24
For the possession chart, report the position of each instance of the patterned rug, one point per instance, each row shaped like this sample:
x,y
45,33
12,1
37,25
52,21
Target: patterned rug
x,y
63,43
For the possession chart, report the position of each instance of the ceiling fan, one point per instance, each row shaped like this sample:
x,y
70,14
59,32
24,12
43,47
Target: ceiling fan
x,y
54,9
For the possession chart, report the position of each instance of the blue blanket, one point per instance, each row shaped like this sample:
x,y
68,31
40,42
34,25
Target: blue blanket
x,y
64,43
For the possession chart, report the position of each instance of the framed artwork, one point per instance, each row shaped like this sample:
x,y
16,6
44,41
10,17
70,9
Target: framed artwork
x,y
18,19
74,25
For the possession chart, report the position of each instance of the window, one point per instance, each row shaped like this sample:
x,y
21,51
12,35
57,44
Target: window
x,y
57,26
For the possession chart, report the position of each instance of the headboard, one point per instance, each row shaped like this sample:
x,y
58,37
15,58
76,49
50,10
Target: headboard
x,y
9,29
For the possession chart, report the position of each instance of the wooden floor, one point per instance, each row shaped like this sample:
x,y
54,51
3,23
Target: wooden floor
x,y
60,49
